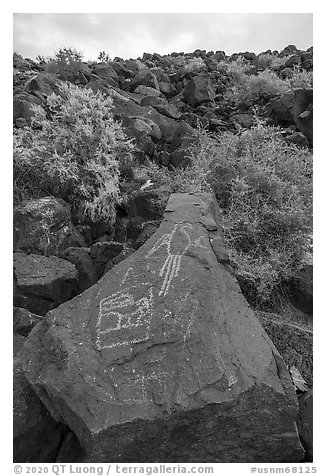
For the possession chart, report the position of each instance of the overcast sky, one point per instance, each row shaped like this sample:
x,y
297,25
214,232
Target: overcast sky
x,y
129,35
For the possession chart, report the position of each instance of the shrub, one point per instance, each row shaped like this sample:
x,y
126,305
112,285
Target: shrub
x,y
263,186
238,69
270,61
65,60
250,89
68,55
194,65
74,155
103,57
300,78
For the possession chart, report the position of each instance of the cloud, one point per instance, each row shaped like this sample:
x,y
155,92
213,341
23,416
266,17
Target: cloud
x,y
130,34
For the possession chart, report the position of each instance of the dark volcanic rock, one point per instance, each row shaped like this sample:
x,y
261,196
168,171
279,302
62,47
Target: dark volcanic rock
x,y
198,91
301,287
145,77
163,361
36,435
298,139
42,283
293,341
44,226
22,107
24,321
148,204
102,253
43,85
105,71
81,258
70,450
305,423
295,107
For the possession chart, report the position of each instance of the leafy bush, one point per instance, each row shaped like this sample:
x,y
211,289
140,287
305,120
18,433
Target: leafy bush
x,y
263,186
74,155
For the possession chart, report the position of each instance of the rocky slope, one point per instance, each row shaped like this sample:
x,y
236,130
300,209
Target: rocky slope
x,y
160,101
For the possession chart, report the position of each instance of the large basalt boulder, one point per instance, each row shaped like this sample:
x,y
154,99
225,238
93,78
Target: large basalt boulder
x,y
295,107
43,85
184,139
42,283
148,204
124,108
145,77
289,50
163,360
23,107
162,106
292,61
105,71
44,226
198,90
121,70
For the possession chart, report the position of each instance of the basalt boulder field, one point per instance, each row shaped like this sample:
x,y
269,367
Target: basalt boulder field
x,y
163,360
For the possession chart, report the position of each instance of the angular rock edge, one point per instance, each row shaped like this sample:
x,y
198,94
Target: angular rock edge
x,y
163,360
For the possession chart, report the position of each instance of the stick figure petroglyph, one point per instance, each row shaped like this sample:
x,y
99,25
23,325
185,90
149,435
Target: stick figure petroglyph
x,y
177,243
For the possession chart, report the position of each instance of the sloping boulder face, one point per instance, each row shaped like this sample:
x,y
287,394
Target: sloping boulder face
x,y
44,226
105,71
164,350
43,85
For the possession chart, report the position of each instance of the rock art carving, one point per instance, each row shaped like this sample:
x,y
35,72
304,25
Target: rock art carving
x,y
176,248
124,319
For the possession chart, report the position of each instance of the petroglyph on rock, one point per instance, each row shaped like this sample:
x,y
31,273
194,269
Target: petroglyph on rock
x,y
177,243
124,319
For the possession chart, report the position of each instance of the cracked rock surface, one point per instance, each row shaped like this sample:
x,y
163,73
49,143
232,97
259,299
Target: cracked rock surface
x,y
163,360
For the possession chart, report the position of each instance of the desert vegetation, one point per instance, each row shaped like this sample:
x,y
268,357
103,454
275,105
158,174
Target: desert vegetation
x,y
72,152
